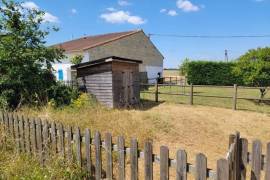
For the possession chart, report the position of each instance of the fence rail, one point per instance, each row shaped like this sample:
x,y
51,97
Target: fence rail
x,y
191,94
44,139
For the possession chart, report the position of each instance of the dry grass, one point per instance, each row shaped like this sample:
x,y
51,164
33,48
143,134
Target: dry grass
x,y
193,128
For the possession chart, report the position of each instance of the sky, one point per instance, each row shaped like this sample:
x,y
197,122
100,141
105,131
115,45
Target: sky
x,y
77,18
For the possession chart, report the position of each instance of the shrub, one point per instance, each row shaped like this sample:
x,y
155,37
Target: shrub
x,y
211,73
60,95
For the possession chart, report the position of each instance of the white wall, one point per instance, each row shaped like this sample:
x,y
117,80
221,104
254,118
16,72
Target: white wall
x,y
66,70
152,72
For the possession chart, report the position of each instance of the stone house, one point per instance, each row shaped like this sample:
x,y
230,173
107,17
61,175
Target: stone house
x,y
131,44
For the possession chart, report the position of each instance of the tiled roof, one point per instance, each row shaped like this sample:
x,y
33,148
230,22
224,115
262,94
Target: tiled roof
x,y
92,41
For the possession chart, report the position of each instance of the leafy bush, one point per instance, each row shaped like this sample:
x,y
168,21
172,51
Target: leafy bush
x,y
211,73
77,59
60,95
84,100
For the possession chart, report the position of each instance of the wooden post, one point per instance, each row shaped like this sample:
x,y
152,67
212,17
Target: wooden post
x,y
237,156
244,157
53,138
69,144
267,166
121,157
27,136
148,161
156,91
34,136
45,137
191,94
39,140
256,162
98,155
201,167
88,151
222,169
108,149
17,133
78,147
164,163
134,159
235,97
61,140
21,126
181,165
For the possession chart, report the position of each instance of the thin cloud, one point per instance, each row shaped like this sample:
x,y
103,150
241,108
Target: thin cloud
x,y
163,10
170,12
74,11
47,17
111,9
30,5
124,3
121,17
50,18
187,6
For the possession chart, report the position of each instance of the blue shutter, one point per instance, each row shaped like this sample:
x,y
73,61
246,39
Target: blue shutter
x,y
60,75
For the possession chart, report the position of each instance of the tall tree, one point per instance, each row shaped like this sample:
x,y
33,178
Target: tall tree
x,y
25,60
254,68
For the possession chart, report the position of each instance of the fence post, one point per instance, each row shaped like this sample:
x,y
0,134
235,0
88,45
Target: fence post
x,y
134,159
156,91
256,162
78,147
235,97
121,157
201,167
98,167
191,94
244,157
148,161
108,148
222,169
267,165
164,163
88,151
181,165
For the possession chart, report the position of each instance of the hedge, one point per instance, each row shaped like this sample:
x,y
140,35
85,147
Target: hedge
x,y
211,73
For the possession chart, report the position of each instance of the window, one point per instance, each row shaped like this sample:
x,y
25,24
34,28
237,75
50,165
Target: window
x,y
60,75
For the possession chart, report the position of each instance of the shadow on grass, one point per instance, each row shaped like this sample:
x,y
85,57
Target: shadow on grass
x,y
148,104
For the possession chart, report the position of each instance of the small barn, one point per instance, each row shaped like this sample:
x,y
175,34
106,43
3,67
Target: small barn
x,y
113,81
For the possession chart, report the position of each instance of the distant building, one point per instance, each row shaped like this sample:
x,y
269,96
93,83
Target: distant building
x,y
132,45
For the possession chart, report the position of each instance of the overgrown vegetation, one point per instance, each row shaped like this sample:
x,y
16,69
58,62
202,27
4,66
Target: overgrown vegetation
x,y
23,166
26,74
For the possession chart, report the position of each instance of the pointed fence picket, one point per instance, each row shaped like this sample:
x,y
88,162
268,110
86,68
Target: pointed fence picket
x,y
47,139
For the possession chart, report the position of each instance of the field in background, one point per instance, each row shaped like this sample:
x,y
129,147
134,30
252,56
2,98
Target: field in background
x,y
250,105
171,72
193,128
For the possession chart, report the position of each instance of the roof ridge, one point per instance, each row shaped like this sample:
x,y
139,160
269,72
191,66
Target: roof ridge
x,y
98,35
113,39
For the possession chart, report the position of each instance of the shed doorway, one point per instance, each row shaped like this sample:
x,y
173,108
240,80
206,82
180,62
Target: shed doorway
x,y
127,93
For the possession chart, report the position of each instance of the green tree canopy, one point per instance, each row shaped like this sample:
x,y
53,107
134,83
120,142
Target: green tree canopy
x,y
77,59
254,68
25,60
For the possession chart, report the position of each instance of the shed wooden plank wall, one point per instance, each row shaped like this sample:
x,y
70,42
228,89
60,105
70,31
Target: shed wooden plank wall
x,y
98,82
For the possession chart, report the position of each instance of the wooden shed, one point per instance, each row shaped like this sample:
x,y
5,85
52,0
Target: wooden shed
x,y
114,81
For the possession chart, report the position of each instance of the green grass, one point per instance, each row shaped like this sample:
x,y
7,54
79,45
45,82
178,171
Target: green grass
x,y
250,105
